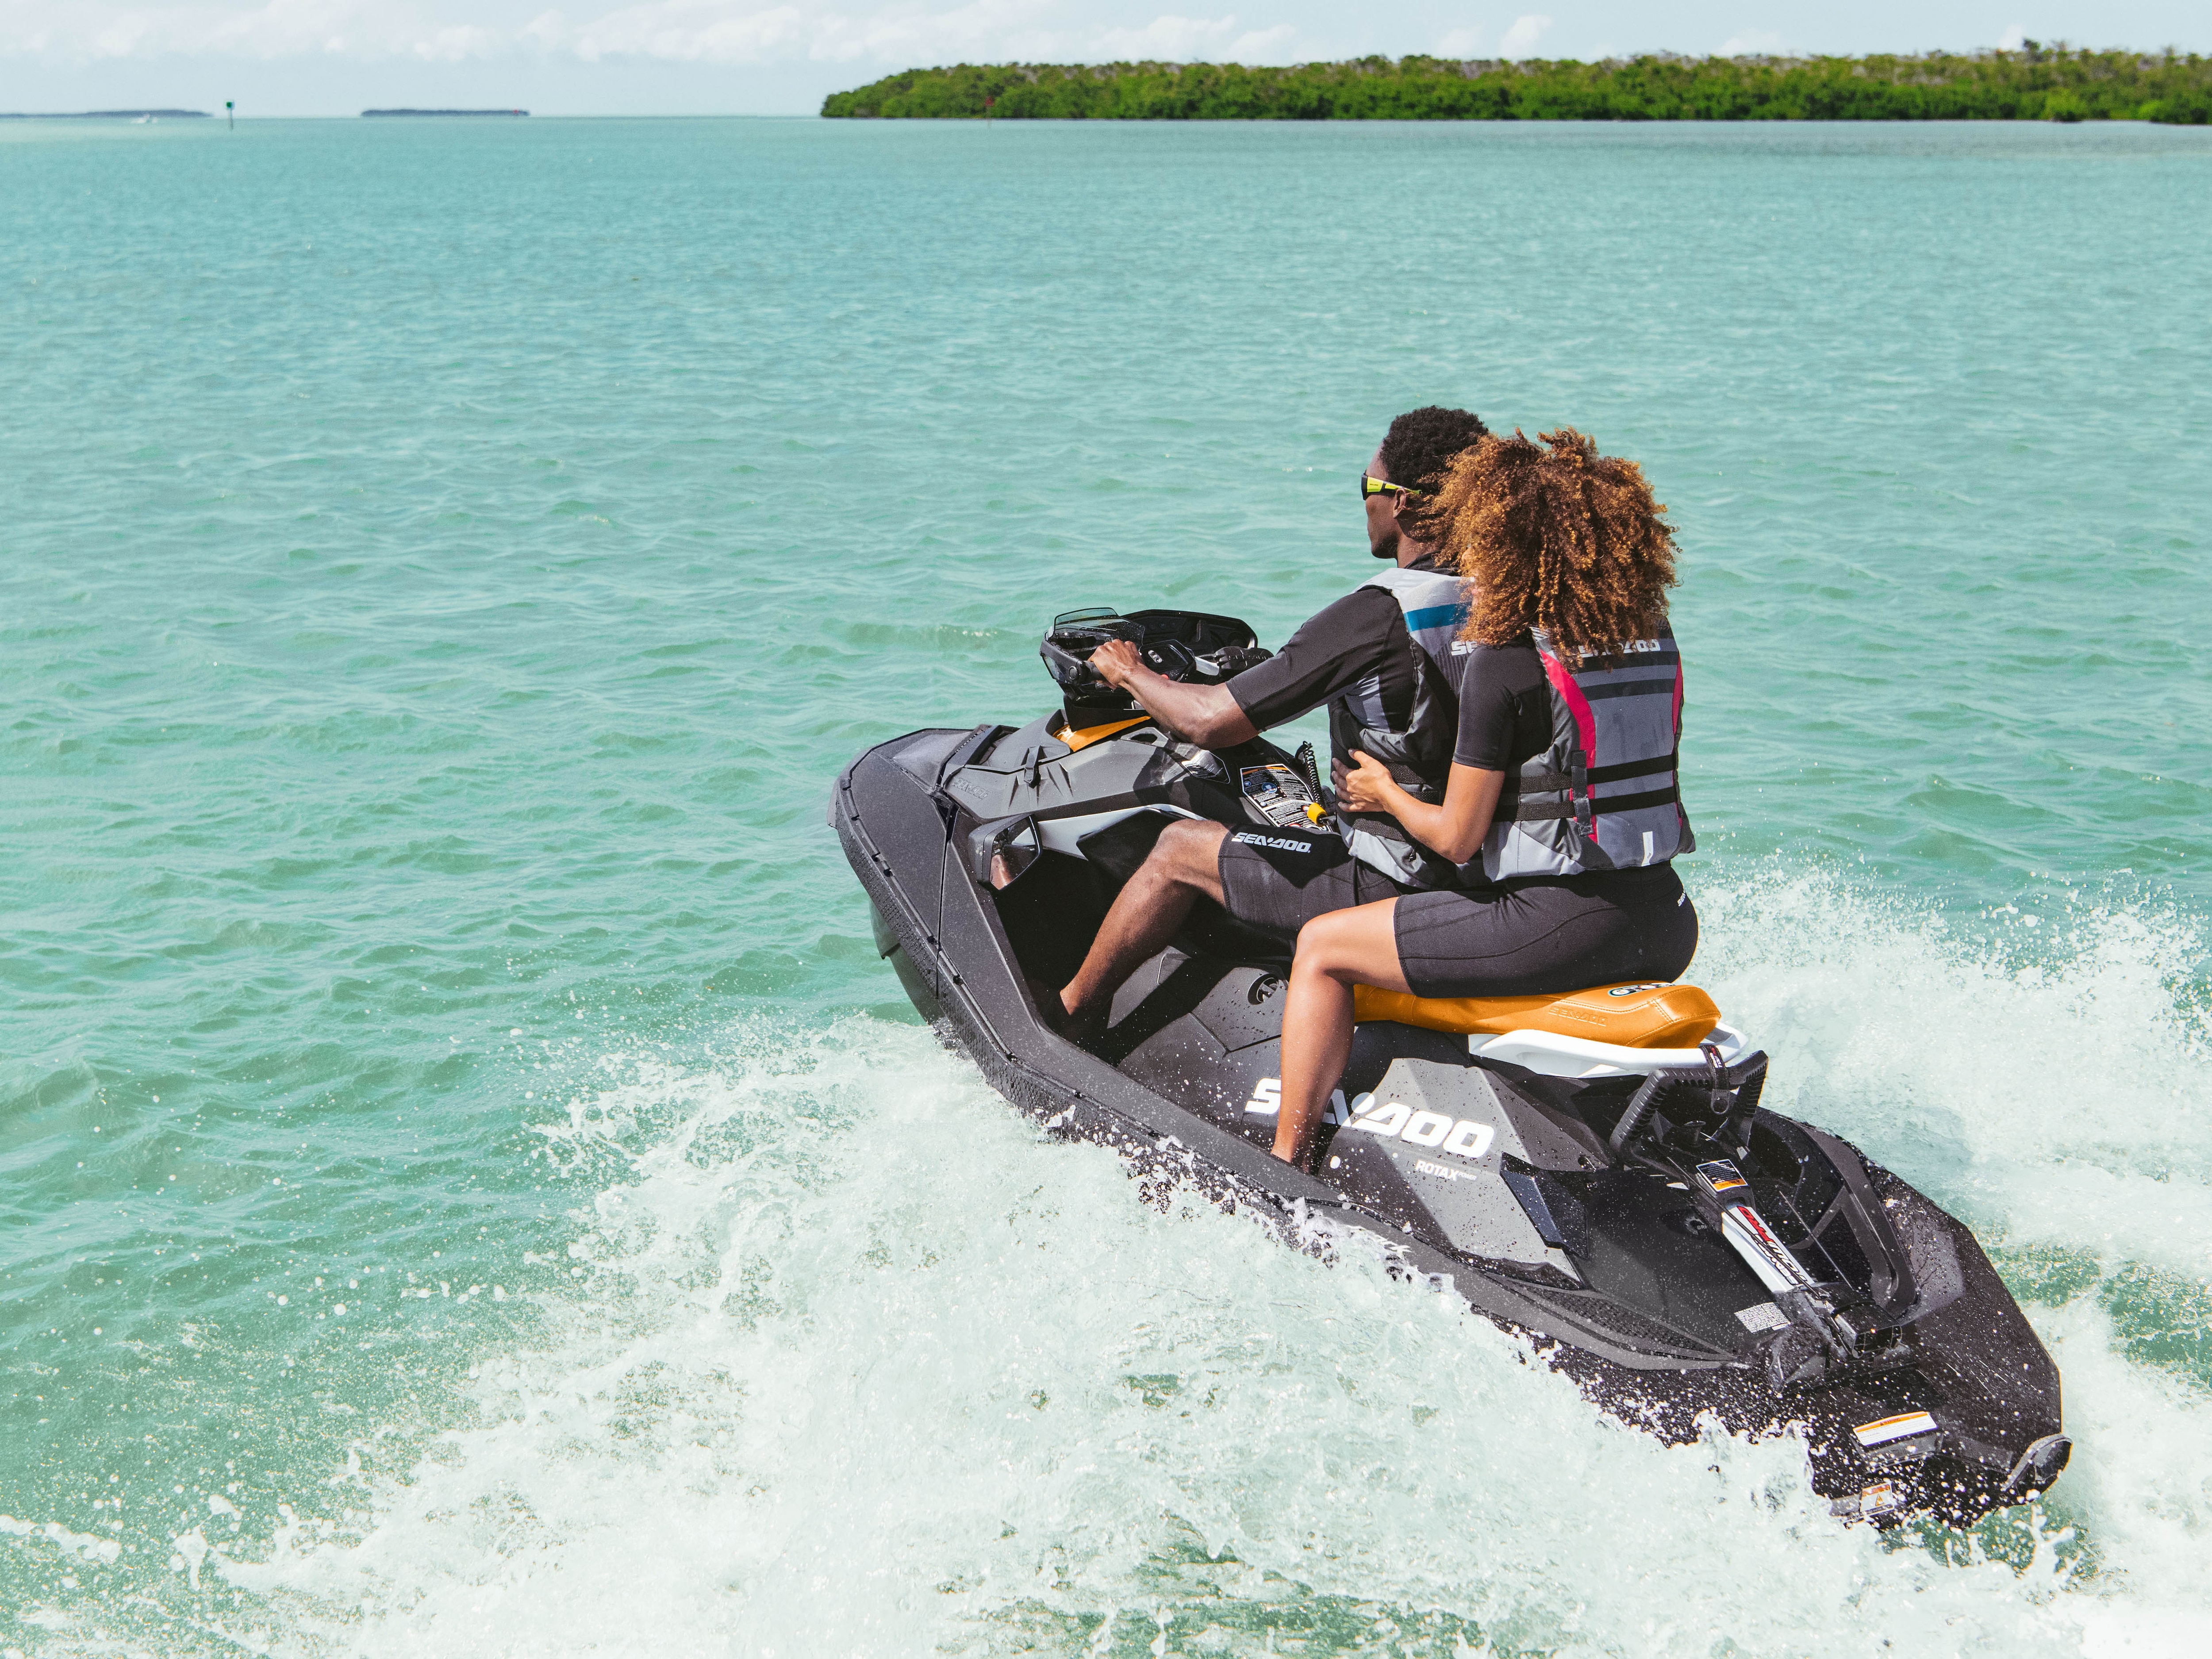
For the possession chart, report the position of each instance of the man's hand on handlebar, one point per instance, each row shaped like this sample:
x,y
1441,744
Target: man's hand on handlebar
x,y
1117,662
1207,715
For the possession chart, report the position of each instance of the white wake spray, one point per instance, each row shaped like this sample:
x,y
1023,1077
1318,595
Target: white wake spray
x,y
862,1365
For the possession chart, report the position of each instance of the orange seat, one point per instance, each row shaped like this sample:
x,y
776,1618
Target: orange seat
x,y
1640,1015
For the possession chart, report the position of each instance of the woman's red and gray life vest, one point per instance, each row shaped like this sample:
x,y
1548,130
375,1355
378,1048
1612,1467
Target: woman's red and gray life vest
x,y
1419,755
1606,795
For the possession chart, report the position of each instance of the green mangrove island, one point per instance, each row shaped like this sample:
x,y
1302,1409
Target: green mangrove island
x,y
2036,84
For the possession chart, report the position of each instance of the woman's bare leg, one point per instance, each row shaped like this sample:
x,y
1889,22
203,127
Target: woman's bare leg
x,y
1336,951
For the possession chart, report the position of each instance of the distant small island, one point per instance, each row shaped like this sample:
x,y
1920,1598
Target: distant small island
x,y
105,115
2035,83
367,113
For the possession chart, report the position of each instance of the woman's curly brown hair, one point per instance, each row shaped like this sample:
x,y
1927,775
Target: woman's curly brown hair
x,y
1560,538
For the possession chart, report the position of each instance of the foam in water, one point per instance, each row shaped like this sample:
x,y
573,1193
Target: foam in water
x,y
2055,1100
81,1545
862,1365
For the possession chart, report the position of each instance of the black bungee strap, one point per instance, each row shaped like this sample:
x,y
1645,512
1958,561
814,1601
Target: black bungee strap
x,y
1526,811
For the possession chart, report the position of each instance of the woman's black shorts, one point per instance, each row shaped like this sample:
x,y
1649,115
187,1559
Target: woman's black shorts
x,y
1562,934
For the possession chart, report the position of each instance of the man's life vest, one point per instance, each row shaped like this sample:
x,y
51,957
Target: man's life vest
x,y
1606,795
1418,756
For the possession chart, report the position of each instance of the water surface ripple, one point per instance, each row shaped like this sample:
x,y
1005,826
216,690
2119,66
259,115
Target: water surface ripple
x,y
469,1186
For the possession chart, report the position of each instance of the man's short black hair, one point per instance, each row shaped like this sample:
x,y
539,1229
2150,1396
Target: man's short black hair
x,y
1422,443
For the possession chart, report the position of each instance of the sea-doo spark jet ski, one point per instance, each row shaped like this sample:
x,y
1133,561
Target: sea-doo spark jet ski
x,y
1594,1170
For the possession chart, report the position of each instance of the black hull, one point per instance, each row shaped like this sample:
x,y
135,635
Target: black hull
x,y
1973,1362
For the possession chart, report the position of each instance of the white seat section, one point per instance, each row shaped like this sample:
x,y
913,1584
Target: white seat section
x,y
1548,1053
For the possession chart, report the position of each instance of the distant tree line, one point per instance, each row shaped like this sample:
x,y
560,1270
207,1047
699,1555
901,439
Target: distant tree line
x,y
2037,83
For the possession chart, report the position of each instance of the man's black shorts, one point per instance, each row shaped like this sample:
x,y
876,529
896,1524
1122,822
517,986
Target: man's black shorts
x,y
1275,881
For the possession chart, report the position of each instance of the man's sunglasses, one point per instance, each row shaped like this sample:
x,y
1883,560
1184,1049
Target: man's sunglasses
x,y
1371,485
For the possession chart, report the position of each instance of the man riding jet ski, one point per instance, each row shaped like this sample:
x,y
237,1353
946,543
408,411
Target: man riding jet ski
x,y
1590,1166
1377,659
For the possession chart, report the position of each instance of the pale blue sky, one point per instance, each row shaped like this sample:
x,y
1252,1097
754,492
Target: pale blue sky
x,y
778,57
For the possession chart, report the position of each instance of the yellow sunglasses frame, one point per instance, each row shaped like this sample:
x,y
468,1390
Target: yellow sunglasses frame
x,y
1371,485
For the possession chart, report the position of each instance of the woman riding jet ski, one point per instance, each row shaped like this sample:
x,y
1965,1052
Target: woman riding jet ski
x,y
1564,652
1589,1164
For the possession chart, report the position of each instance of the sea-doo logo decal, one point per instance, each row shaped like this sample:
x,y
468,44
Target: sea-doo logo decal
x,y
1469,1139
1425,1128
1386,1120
1631,990
1267,1100
1280,844
1262,987
1393,1120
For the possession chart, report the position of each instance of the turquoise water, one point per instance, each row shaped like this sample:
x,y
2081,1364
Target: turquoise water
x,y
470,1187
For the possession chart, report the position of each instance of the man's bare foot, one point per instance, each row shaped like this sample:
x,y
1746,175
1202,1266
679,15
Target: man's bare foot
x,y
1081,1026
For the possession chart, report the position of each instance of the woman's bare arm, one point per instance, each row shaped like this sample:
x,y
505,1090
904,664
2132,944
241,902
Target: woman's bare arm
x,y
1454,829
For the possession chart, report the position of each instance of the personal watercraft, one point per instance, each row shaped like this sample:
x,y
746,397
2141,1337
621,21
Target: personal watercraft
x,y
1594,1171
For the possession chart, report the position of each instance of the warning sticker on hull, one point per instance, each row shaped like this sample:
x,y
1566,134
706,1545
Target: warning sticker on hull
x,y
1880,1497
1888,1430
1762,1317
1281,796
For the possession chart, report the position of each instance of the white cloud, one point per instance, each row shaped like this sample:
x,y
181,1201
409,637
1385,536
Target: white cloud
x,y
986,31
1520,40
2013,38
676,31
704,32
1172,39
1754,42
454,45
1275,46
275,29
1460,43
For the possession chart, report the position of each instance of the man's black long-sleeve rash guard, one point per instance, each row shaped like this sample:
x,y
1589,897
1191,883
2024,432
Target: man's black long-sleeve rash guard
x,y
1363,633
